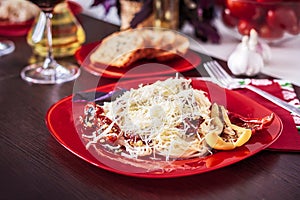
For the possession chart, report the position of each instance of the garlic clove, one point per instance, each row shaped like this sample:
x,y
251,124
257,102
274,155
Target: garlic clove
x,y
245,59
244,43
255,64
259,46
238,61
253,40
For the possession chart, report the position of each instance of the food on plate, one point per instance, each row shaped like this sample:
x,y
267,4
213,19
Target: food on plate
x,y
17,10
119,49
166,121
122,48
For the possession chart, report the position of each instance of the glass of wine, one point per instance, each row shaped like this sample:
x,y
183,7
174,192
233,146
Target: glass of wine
x,y
49,71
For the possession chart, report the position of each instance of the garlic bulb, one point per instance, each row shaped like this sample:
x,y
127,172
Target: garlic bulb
x,y
260,47
245,60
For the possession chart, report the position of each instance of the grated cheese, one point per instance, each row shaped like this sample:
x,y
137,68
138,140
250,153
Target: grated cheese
x,y
159,114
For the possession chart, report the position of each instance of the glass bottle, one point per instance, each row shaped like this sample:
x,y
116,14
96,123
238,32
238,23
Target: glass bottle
x,y
166,13
67,33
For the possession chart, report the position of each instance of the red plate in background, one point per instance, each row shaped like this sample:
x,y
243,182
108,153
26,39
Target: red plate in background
x,y
15,29
22,28
153,67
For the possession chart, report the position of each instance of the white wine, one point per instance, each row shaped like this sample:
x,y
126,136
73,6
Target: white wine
x,y
67,34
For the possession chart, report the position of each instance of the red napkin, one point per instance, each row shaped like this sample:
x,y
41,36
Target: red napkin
x,y
289,140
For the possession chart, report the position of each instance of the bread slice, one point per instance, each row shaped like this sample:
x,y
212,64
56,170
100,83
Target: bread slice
x,y
125,47
17,11
119,49
179,47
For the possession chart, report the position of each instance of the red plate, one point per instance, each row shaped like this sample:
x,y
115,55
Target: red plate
x,y
138,69
22,28
15,29
60,121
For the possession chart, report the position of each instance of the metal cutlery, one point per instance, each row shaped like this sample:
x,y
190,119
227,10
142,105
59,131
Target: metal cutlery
x,y
223,79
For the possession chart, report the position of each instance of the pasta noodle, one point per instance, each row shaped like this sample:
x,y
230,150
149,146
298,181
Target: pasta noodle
x,y
162,119
167,121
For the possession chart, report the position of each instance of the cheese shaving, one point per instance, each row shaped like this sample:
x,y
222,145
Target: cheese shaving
x,y
163,118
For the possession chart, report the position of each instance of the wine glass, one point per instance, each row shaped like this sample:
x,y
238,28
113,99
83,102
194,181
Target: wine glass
x,y
6,47
49,71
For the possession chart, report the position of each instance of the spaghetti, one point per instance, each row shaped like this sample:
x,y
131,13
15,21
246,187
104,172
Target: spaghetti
x,y
167,120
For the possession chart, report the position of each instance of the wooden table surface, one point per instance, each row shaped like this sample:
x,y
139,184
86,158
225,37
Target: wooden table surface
x,y
35,166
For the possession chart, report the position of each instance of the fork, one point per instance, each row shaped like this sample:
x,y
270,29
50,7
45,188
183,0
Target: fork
x,y
223,79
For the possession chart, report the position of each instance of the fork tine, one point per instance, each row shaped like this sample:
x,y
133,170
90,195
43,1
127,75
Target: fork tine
x,y
218,74
223,77
209,71
218,67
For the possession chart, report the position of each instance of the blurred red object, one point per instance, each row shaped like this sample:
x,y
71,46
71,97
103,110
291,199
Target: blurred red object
x,y
22,28
272,19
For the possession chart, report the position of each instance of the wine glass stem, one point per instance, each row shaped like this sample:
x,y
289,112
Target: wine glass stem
x,y
49,59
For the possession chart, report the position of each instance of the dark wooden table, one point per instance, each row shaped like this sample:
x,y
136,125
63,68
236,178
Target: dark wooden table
x,y
35,166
